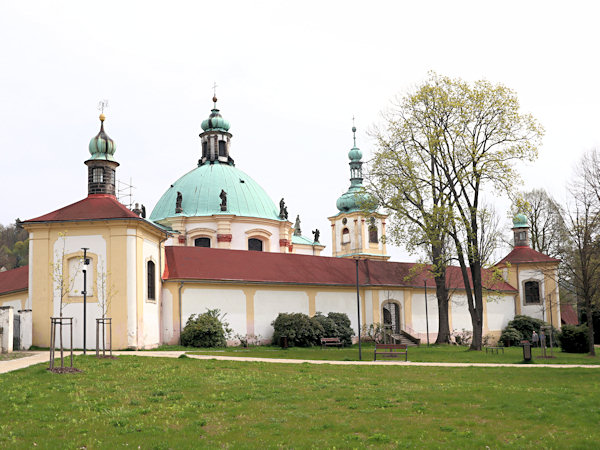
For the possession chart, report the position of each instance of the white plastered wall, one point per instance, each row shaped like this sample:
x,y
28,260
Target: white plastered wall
x,y
500,310
269,303
168,321
536,311
231,302
419,323
73,244
239,239
151,332
132,338
344,302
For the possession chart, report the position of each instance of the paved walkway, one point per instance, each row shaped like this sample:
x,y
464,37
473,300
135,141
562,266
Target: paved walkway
x,y
41,357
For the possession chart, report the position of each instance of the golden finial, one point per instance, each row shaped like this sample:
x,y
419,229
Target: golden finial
x,y
101,105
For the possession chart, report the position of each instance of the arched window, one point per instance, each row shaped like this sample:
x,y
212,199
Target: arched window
x,y
373,238
532,293
151,281
345,236
202,242
255,244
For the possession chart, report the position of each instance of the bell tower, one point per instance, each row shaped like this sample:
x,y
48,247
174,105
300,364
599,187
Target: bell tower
x,y
102,164
215,138
356,234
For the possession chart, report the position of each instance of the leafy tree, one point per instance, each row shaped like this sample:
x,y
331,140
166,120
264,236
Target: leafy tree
x,y
581,258
544,215
468,136
404,179
14,246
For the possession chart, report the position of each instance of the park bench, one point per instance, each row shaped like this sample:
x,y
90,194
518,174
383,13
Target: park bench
x,y
494,349
331,342
391,350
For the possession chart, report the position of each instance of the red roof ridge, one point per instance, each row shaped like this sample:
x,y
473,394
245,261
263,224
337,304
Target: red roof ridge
x,y
525,254
210,264
93,207
14,280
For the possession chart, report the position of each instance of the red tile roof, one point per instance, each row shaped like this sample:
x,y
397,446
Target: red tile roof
x,y
568,315
14,280
207,264
526,255
93,207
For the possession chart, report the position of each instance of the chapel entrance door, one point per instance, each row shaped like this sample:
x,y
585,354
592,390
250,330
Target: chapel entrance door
x,y
391,317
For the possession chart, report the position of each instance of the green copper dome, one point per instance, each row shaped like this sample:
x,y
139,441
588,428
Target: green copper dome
x,y
215,121
355,154
200,190
520,221
354,198
101,146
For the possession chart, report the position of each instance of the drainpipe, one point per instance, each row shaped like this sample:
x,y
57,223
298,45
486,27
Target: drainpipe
x,y
160,297
180,287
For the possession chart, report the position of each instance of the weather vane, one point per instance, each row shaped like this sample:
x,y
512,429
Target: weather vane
x,y
215,89
101,105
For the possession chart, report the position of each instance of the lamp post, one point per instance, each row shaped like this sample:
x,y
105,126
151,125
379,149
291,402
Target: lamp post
x,y
86,262
358,310
426,311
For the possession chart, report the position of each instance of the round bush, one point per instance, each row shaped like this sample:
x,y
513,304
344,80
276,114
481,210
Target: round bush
x,y
574,339
205,330
343,329
510,336
300,330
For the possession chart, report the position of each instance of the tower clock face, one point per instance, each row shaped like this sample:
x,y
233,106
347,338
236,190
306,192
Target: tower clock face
x,y
344,221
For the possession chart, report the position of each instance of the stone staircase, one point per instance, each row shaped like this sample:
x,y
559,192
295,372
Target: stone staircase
x,y
405,338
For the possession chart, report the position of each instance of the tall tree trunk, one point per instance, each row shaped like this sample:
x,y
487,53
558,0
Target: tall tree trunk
x,y
441,292
477,316
590,324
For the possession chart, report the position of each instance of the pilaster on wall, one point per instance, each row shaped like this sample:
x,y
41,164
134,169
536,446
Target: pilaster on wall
x,y
224,235
250,292
408,308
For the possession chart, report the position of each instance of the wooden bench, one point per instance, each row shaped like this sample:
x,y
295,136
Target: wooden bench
x,y
392,350
331,342
494,349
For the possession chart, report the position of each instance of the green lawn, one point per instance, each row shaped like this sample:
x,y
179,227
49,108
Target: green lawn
x,y
186,403
435,353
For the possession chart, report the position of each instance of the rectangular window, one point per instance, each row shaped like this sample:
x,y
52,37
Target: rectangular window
x,y
98,175
532,293
222,148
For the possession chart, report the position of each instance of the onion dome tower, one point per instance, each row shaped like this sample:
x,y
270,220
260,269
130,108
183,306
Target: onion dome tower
x,y
354,234
520,230
102,164
215,138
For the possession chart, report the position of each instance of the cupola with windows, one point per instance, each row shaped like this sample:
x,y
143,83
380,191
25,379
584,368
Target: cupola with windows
x,y
355,233
102,164
520,230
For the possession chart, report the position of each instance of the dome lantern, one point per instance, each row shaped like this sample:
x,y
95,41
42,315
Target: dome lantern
x,y
215,138
102,164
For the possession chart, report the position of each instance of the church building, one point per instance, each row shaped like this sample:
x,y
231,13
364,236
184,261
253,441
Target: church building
x,y
216,239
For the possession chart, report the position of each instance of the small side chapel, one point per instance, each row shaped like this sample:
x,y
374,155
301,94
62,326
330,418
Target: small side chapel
x,y
216,239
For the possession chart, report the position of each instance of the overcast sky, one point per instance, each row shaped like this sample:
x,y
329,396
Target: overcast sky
x,y
290,77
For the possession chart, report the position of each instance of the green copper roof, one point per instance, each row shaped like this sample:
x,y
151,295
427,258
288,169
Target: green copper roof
x,y
200,190
520,221
101,146
302,240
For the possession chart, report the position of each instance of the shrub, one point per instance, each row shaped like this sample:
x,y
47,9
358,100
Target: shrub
x,y
526,325
574,339
206,330
301,330
373,332
510,336
336,325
